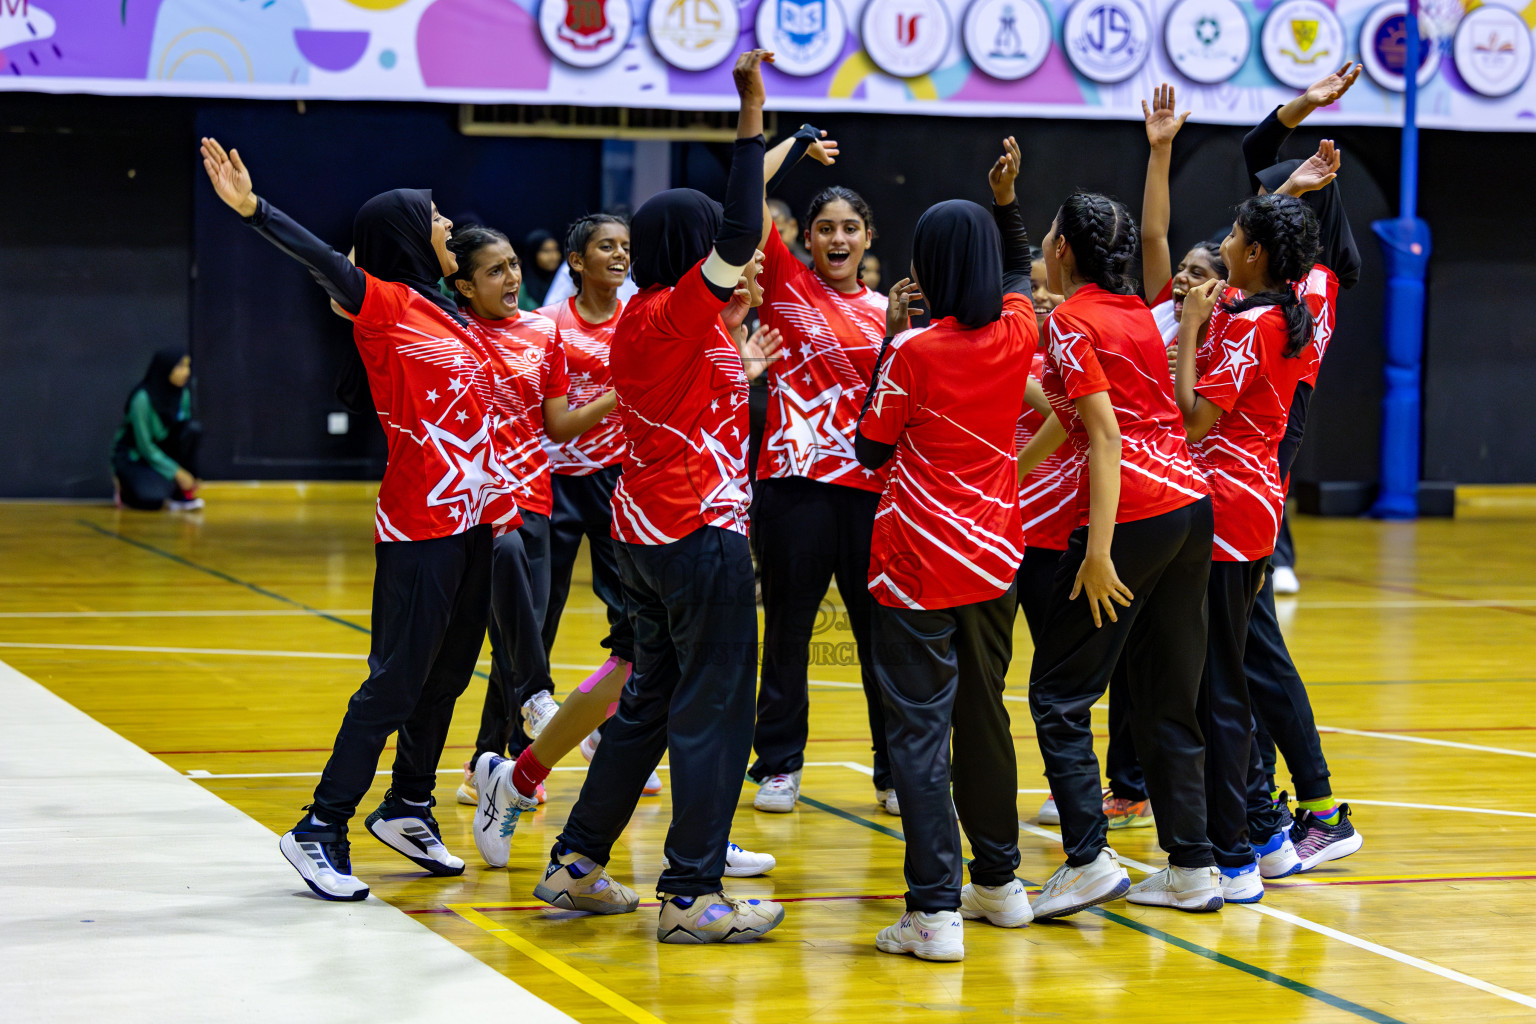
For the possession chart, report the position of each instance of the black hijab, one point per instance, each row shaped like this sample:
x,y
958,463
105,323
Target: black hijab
x,y
164,397
670,233
393,237
1339,252
957,254
536,280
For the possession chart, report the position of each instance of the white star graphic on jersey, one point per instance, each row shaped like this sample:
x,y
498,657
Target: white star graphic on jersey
x,y
462,416
806,423
886,390
455,385
728,491
1238,359
1061,347
474,474
432,396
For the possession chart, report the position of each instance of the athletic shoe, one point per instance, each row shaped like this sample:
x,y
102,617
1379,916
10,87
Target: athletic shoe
x,y
589,750
886,798
1006,906
1072,889
1180,888
1317,842
739,863
652,785
188,503
467,793
1127,813
498,809
574,882
1277,856
1286,581
538,710
936,936
715,918
323,858
778,793
1242,885
413,833
1048,815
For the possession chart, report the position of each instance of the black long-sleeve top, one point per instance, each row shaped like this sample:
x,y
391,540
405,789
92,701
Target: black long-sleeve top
x,y
331,270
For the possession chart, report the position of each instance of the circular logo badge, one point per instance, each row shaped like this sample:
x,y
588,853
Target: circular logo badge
x,y
1384,46
1007,39
806,36
1492,50
1107,41
905,38
1207,40
1302,41
694,35
585,33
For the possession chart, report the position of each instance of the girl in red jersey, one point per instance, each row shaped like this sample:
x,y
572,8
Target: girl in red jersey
x,y
815,503
1140,556
1235,395
947,542
429,375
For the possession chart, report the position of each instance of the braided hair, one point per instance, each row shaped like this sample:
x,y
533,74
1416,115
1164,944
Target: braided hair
x,y
1286,228
580,233
1104,239
465,243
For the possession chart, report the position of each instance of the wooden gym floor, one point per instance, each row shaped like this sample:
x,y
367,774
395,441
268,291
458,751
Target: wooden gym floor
x,y
226,644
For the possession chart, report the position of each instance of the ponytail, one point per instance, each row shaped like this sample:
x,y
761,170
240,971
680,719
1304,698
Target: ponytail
x,y
1104,239
1286,228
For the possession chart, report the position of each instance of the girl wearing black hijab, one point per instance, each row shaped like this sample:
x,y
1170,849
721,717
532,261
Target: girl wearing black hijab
x,y
948,541
155,449
542,260
444,487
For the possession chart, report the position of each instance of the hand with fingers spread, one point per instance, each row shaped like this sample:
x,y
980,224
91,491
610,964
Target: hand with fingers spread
x,y
1315,172
230,178
1328,91
900,311
1097,578
823,150
760,350
1162,123
1200,302
1004,172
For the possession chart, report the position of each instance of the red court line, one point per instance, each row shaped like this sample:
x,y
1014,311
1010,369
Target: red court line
x,y
1400,881
546,906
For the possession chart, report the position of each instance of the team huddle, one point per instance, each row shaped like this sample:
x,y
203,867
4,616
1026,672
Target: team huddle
x,y
1107,452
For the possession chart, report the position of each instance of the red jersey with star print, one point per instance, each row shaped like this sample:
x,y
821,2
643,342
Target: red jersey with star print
x,y
531,369
1048,496
683,401
1320,291
947,530
1243,369
1099,341
444,474
815,392
586,348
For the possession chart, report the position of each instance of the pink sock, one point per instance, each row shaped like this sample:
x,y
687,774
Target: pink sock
x,y
528,773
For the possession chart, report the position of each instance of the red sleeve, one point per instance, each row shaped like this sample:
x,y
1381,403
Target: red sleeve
x,y
1072,353
779,265
1162,296
893,401
689,311
1020,325
556,378
1236,358
384,303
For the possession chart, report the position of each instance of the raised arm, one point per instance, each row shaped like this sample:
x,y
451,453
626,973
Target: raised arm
x,y
1314,182
741,229
334,272
1010,219
781,159
1261,146
1162,126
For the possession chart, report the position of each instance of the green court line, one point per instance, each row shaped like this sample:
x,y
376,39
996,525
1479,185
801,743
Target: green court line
x,y
1301,988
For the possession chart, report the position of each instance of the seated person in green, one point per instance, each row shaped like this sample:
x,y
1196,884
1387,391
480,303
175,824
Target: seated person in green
x,y
155,449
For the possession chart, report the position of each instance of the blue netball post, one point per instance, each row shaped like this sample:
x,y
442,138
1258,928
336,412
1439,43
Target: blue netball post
x,y
1405,248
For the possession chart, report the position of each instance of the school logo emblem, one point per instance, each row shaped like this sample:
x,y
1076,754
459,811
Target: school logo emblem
x,y
585,33
1493,50
806,36
1207,40
1007,39
906,38
694,35
1301,41
1384,46
1107,41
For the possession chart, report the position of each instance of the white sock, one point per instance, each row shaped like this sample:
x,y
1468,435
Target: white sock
x,y
416,803
317,821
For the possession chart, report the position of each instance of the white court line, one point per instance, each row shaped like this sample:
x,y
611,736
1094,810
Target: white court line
x,y
1302,604
238,652
1426,741
1441,807
1333,933
228,613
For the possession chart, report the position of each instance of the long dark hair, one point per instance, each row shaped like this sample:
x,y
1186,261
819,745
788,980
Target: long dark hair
x,y
579,235
1286,227
1104,239
465,245
1212,251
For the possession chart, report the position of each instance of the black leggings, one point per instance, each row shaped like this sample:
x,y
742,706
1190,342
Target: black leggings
x,y
1036,584
583,508
1166,562
808,534
1282,709
140,485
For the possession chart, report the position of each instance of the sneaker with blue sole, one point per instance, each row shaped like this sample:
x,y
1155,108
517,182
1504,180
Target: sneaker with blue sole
x,y
1277,856
322,856
412,832
1242,885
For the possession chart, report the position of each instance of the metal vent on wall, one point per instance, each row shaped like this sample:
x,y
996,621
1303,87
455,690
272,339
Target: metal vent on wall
x,y
574,122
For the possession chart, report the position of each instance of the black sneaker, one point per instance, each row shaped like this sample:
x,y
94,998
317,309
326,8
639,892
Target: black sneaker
x,y
1318,842
413,833
323,858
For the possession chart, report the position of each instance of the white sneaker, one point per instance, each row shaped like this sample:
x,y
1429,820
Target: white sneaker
x,y
1180,888
411,831
1072,889
886,798
778,793
739,863
467,793
322,857
184,504
1048,814
936,936
1277,856
498,809
588,746
538,710
1242,885
1286,581
1006,906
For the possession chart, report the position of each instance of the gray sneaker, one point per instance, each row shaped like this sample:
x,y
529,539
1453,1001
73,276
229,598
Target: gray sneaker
x,y
777,793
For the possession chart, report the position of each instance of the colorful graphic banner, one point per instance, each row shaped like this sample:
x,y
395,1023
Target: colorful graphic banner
x,y
1232,59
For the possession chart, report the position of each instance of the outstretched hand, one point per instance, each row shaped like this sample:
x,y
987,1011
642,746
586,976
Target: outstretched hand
x,y
1328,91
231,180
900,311
1004,172
823,150
760,350
748,75
1162,123
1316,171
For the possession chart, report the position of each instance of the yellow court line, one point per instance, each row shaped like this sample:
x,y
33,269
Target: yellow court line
x,y
555,965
